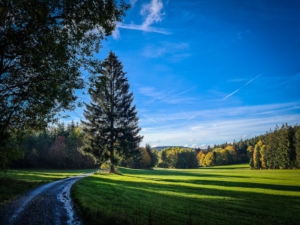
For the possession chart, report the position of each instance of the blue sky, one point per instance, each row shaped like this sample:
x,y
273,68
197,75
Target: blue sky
x,y
209,71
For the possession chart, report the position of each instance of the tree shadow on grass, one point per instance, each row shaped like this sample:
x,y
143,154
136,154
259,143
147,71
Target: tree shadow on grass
x,y
171,172
275,187
228,167
213,205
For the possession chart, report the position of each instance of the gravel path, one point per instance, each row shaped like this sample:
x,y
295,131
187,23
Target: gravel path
x,y
49,204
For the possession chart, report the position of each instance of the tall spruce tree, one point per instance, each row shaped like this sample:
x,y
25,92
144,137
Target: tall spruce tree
x,y
111,124
297,144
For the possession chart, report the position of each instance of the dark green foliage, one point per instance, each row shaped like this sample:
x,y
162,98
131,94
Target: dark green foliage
x,y
241,149
297,145
55,147
231,154
251,164
163,156
10,188
279,149
111,124
152,154
43,47
146,158
9,149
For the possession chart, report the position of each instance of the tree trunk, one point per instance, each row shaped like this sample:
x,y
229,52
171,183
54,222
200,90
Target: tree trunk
x,y
112,157
112,168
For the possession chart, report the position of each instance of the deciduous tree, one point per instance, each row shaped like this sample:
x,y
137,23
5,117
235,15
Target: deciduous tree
x,y
210,159
256,155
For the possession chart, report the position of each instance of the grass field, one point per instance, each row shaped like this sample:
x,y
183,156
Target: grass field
x,y
15,182
218,195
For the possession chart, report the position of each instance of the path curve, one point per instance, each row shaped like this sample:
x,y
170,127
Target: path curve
x,y
49,204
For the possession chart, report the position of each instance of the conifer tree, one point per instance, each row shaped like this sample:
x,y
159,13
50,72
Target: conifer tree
x,y
297,144
263,160
284,147
111,124
152,155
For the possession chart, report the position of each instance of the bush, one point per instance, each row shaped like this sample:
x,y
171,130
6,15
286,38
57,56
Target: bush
x,y
162,165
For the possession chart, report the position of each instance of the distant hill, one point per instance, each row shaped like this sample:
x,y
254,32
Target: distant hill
x,y
159,148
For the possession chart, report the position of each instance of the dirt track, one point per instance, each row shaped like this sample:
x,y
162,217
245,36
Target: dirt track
x,y
48,204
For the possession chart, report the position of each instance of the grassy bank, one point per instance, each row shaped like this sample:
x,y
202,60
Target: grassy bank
x,y
15,182
219,195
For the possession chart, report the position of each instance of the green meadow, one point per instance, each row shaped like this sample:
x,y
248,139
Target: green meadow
x,y
15,182
217,195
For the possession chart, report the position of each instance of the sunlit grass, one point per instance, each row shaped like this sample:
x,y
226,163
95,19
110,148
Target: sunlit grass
x,y
43,175
15,182
219,195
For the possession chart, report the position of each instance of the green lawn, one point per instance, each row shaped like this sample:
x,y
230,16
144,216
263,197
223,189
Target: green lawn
x,y
15,182
218,195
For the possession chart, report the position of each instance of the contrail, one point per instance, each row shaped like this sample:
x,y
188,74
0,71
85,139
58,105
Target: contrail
x,y
185,91
232,93
167,96
148,118
193,117
242,87
252,79
181,93
143,28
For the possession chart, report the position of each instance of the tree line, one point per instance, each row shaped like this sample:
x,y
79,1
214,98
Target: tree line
x,y
56,147
278,149
173,157
59,147
224,154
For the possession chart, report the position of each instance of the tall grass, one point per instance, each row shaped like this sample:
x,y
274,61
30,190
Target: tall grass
x,y
219,195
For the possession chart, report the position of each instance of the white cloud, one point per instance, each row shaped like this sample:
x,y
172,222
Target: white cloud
x,y
194,146
242,111
219,125
256,111
203,146
152,13
217,131
116,34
